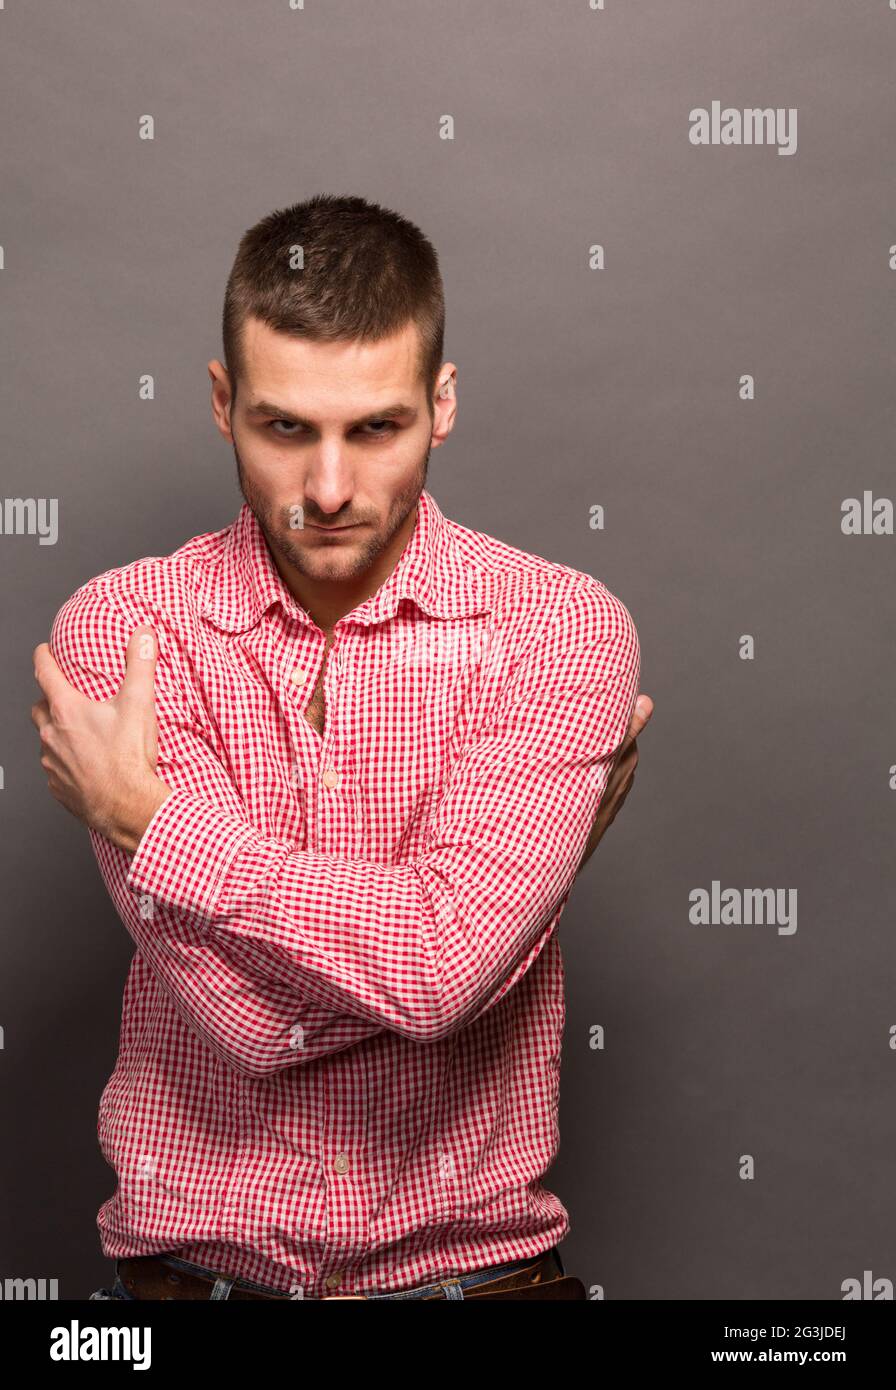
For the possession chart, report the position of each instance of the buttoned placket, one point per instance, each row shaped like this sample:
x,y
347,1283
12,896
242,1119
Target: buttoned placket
x,y
344,1128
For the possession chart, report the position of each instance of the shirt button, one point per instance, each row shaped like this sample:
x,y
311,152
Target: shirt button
x,y
340,1163
331,777
297,676
333,1281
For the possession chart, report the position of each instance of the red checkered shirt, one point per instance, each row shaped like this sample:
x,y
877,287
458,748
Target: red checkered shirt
x,y
339,1056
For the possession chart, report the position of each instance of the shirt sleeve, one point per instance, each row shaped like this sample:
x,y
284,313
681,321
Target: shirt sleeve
x,y
424,948
255,1022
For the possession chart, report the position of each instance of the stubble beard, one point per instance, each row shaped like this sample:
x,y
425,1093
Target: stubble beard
x,y
329,564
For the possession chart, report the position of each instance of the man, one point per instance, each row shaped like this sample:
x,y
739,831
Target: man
x,y
340,763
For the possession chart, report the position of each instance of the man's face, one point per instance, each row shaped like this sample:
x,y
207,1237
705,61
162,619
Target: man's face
x,y
331,435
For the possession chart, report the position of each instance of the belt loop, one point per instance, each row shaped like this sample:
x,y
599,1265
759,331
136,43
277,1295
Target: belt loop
x,y
453,1288
222,1288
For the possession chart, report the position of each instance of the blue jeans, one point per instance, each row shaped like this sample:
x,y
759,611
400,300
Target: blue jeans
x,y
450,1287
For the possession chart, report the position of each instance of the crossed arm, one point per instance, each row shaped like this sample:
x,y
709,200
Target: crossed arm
x,y
276,955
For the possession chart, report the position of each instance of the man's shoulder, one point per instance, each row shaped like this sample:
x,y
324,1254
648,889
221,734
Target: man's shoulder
x,y
531,593
162,590
169,583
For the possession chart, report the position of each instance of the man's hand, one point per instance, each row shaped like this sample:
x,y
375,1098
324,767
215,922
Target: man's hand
x,y
100,758
621,777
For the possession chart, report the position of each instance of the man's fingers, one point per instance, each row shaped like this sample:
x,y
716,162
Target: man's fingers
x,y
627,756
622,775
40,714
140,669
640,715
47,673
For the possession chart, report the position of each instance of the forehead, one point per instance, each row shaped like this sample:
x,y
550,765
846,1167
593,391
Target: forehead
x,y
275,363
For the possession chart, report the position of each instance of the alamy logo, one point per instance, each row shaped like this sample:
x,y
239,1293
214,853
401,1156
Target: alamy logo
x,y
32,516
752,126
866,1288
437,645
738,906
28,1290
87,1343
873,516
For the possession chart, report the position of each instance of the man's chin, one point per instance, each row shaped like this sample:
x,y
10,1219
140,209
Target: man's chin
x,y
328,561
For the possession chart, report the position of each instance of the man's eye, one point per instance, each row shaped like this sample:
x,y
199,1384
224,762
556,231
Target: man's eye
x,y
378,428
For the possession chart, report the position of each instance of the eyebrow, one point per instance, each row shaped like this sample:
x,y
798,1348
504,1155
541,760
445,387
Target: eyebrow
x,y
388,412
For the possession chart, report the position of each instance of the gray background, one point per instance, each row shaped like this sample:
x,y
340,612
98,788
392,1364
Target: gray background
x,y
576,387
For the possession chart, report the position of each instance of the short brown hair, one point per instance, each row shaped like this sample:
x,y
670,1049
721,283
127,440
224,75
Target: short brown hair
x,y
366,272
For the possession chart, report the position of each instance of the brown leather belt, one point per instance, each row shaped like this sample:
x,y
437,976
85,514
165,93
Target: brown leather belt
x,y
148,1276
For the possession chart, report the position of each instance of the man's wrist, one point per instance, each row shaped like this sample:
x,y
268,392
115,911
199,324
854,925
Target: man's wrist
x,y
130,825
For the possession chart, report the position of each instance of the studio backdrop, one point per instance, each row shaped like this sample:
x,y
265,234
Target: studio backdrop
x,y
668,239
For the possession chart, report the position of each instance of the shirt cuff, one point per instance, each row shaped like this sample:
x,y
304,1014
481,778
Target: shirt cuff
x,y
185,852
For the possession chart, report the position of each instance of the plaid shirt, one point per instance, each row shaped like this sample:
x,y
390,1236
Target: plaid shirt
x,y
339,1056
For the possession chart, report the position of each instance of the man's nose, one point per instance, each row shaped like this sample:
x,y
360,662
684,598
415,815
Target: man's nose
x,y
329,484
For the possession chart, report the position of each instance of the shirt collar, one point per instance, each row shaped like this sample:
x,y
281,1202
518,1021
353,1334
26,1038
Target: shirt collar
x,y
241,581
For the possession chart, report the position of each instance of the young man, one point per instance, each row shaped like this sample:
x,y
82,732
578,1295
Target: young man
x,y
340,762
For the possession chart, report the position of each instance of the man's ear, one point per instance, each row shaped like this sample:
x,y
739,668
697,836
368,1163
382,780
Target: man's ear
x,y
223,398
444,404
